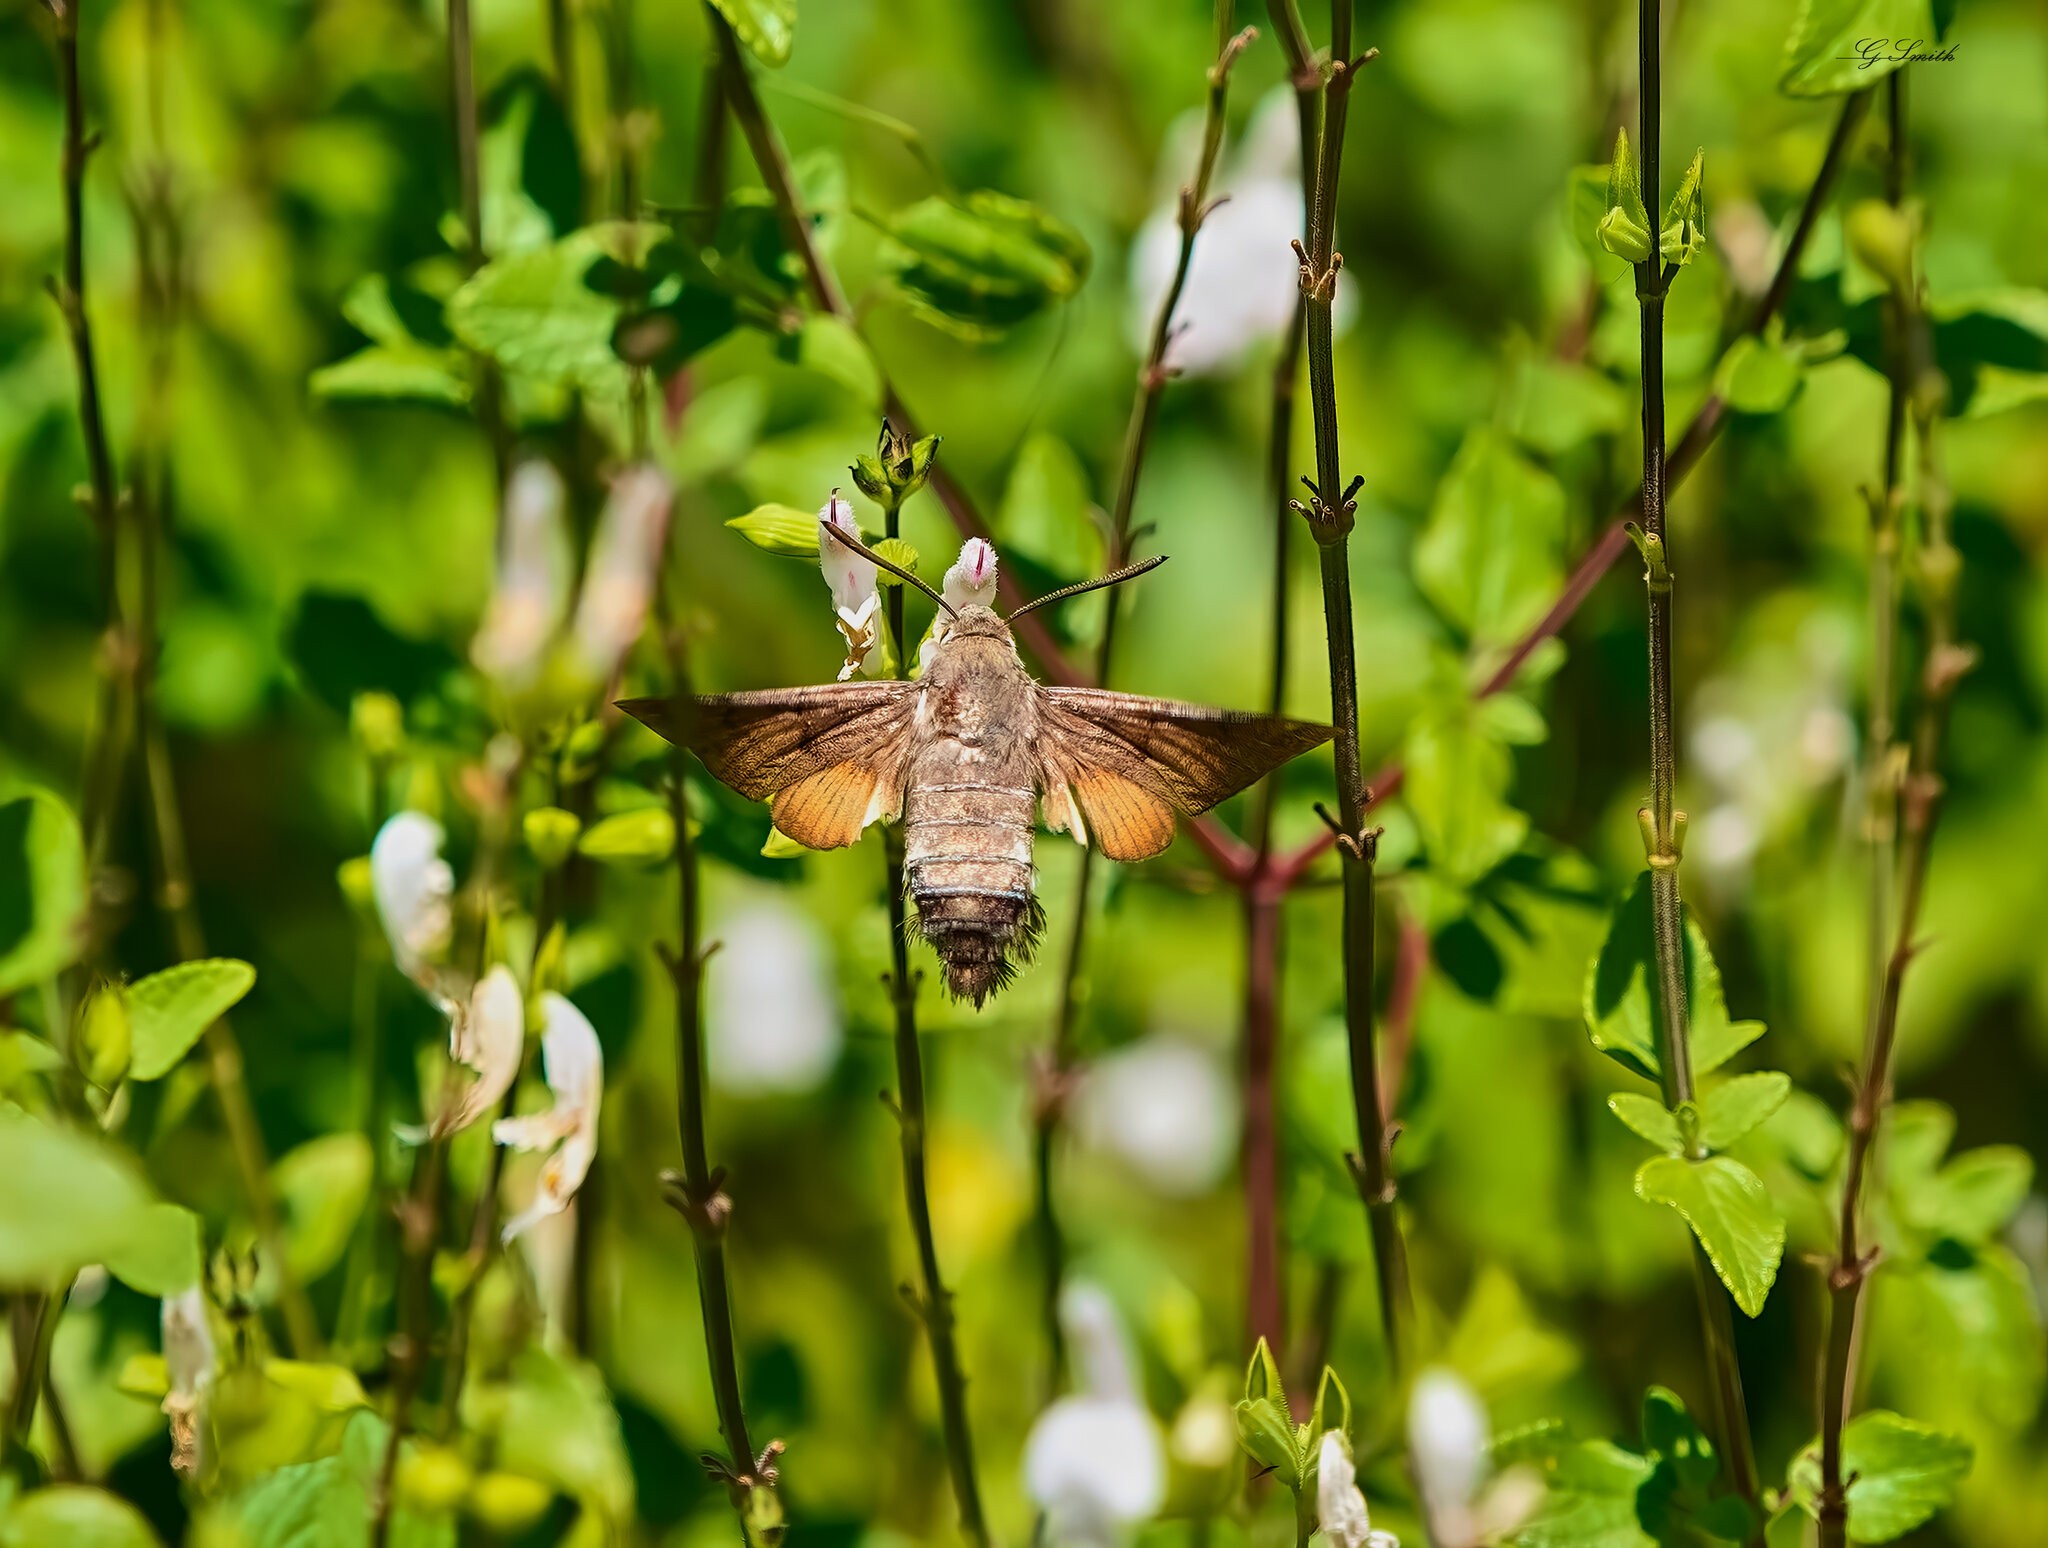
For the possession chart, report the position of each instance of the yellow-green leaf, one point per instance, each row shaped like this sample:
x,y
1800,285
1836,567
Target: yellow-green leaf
x,y
169,1010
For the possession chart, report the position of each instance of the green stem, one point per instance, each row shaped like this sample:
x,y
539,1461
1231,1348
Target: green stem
x,y
1919,801
1330,514
1663,825
419,1234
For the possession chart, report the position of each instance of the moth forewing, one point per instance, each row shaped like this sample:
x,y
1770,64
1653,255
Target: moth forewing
x,y
963,755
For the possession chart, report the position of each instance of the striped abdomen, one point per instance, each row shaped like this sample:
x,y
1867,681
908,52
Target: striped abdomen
x,y
967,861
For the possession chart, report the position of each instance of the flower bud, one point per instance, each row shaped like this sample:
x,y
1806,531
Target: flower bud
x,y
433,1479
508,1504
551,834
1340,1503
1624,236
1883,237
358,888
103,1037
377,722
1447,1443
412,886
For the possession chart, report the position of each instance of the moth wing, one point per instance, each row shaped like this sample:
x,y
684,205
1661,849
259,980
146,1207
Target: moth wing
x,y
1095,743
831,758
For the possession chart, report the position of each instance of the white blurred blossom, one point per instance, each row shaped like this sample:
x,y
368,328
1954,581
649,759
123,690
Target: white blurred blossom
x,y
771,1015
1244,281
1166,1107
535,568
1448,1443
1093,1461
412,885
623,569
488,1036
189,1360
970,582
1340,1503
573,1065
856,596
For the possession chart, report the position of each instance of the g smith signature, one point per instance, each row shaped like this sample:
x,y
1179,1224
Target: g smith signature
x,y
1876,51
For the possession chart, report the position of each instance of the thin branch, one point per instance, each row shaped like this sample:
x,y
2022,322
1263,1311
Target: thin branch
x,y
1919,806
1330,512
1153,376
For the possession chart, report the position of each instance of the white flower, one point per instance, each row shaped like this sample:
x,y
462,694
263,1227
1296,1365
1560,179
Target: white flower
x,y
535,568
970,582
1340,1503
412,885
189,1360
1447,1443
489,1036
771,1015
855,595
1166,1107
625,563
1447,1452
573,1064
1093,1462
1243,281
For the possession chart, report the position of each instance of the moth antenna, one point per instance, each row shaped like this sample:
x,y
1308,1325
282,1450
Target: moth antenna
x,y
879,562
1113,578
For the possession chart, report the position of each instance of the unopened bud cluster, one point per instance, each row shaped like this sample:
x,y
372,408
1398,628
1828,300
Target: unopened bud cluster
x,y
898,468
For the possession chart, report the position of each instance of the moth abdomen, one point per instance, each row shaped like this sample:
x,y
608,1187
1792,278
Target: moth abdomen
x,y
967,863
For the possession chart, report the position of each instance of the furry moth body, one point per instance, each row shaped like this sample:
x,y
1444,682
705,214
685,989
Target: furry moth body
x,y
962,755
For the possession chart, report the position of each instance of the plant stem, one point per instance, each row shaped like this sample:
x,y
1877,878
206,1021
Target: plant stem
x,y
1153,376
1265,1308
1919,808
934,1303
469,181
1330,515
419,1220
698,1192
1663,825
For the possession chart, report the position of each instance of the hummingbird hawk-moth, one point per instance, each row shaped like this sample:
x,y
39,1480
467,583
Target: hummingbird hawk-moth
x,y
962,754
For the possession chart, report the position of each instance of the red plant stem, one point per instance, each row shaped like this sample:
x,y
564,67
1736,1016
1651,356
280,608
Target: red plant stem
x,y
1264,1302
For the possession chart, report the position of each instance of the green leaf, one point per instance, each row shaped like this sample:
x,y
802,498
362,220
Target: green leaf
x,y
977,266
1732,1108
780,846
640,837
1324,1416
394,373
1625,226
73,1516
326,1503
1973,1197
161,1256
833,348
332,1389
1730,1211
1841,46
1589,1490
42,890
1672,1434
1619,1001
70,1200
170,1010
1262,1376
1456,785
1684,233
1901,1474
1759,378
534,315
897,552
767,27
1047,510
780,529
1264,1431
558,1424
323,1185
23,1055
1649,1118
1492,555
145,1376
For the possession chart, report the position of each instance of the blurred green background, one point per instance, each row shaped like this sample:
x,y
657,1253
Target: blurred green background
x,y
325,544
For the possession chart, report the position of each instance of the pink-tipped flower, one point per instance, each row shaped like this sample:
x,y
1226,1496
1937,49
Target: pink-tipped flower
x,y
625,564
535,568
573,1063
972,579
856,599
